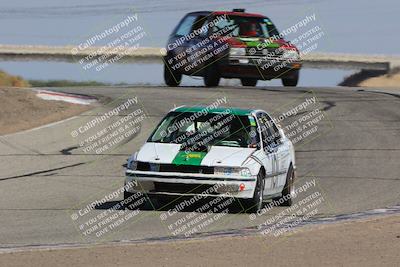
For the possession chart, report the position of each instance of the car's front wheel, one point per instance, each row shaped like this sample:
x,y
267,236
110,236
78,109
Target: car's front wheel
x,y
256,203
291,80
248,82
127,200
172,78
133,201
211,75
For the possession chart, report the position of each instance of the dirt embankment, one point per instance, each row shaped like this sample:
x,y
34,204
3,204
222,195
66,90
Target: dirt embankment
x,y
372,242
21,109
387,80
376,79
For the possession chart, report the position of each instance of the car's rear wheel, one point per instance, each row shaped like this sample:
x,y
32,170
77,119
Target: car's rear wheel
x,y
291,80
171,78
212,75
288,190
256,203
248,82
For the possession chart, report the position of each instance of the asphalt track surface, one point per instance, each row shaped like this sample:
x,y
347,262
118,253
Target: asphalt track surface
x,y
45,178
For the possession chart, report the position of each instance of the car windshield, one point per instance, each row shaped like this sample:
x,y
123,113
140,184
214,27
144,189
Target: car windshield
x,y
197,131
241,26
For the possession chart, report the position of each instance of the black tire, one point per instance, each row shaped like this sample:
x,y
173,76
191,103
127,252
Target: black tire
x,y
256,203
139,203
289,187
248,82
212,76
127,195
162,201
172,78
292,80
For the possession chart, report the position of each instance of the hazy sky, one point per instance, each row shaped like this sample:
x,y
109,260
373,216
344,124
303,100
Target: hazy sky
x,y
351,26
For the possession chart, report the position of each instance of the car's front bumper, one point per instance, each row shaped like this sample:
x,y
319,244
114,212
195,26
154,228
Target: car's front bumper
x,y
190,184
260,68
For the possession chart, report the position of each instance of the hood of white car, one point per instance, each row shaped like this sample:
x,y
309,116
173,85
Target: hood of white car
x,y
158,153
227,156
217,156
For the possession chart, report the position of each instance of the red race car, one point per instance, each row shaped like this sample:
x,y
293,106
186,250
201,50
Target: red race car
x,y
230,44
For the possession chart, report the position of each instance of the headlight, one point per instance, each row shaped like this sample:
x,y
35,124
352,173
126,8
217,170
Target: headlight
x,y
236,51
290,54
132,163
232,171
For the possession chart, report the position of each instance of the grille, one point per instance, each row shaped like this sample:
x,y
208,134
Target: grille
x,y
183,188
269,52
186,168
145,166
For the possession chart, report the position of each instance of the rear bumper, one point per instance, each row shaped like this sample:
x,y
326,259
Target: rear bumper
x,y
187,184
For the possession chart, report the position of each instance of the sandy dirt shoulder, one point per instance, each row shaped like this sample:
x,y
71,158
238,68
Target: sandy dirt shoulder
x,y
21,109
371,242
391,80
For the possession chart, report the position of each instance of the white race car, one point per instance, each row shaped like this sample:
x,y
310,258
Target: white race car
x,y
215,152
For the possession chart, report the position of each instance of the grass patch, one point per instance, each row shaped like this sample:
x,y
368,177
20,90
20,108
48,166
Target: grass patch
x,y
8,80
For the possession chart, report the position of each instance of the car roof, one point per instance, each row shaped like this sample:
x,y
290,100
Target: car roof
x,y
234,111
229,13
233,13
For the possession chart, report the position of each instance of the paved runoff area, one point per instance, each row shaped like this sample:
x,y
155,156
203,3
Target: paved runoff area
x,y
61,185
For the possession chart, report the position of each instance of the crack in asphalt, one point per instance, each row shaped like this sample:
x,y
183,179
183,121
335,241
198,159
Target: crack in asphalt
x,y
67,151
41,172
357,178
329,105
382,93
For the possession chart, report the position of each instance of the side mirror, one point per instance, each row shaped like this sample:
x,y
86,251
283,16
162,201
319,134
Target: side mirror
x,y
281,132
258,145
